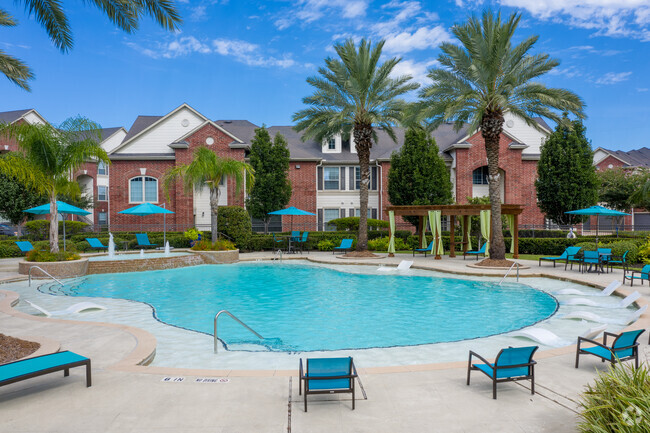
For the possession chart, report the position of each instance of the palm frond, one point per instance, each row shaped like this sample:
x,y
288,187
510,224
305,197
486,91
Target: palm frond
x,y
16,71
17,166
162,11
6,20
50,15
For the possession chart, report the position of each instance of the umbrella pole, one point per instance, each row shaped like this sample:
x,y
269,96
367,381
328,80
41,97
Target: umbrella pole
x,y
63,215
164,226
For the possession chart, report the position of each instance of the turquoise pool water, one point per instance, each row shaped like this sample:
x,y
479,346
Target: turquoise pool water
x,y
299,307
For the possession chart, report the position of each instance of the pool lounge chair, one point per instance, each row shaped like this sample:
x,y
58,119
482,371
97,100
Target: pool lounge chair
x,y
143,240
643,275
327,376
548,338
624,347
346,245
423,250
576,257
592,317
513,363
565,254
476,253
96,244
75,308
404,265
25,246
40,365
611,288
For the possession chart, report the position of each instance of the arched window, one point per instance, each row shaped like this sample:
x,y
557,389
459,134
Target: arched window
x,y
480,176
143,189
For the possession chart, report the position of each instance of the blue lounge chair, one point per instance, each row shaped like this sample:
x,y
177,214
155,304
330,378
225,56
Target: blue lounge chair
x,y
591,259
346,245
25,246
143,240
576,257
624,347
40,365
327,376
95,243
643,275
618,260
424,250
569,251
513,363
476,253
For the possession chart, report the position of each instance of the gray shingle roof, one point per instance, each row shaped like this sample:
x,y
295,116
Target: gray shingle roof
x,y
141,123
107,132
242,129
12,116
634,158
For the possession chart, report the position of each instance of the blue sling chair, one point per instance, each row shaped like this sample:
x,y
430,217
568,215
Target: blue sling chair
x,y
96,243
624,347
423,250
513,363
476,253
327,376
346,245
643,275
143,240
570,251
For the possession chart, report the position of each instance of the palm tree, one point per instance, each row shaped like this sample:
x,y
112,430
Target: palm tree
x,y
484,77
125,14
207,169
47,158
353,96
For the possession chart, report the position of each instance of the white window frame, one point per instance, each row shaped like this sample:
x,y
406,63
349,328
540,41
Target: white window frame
x,y
338,178
143,189
326,226
102,166
331,144
99,198
99,221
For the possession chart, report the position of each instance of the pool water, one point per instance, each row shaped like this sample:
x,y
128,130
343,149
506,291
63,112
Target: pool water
x,y
308,308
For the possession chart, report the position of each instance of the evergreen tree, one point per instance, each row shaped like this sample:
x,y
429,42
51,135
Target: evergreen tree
x,y
15,197
617,188
567,177
417,174
272,189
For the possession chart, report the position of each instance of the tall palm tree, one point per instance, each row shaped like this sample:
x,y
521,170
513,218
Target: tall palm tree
x,y
354,95
207,169
48,156
484,77
125,14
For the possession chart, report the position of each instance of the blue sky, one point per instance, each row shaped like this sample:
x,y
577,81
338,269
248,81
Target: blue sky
x,y
249,60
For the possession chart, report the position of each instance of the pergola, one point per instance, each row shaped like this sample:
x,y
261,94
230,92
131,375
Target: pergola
x,y
462,211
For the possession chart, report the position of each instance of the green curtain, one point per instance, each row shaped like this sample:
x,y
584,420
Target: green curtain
x,y
424,233
485,229
511,227
462,230
391,241
435,222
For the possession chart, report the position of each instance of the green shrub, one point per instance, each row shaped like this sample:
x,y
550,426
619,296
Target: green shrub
x,y
235,223
618,401
352,223
618,249
193,234
326,245
38,229
381,244
220,245
46,256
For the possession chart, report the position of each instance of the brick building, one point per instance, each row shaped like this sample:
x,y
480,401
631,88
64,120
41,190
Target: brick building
x,y
325,176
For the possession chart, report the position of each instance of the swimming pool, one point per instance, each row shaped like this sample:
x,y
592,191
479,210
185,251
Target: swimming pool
x,y
299,307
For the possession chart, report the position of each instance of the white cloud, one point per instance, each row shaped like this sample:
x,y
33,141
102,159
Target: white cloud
x,y
613,78
421,39
568,72
308,11
617,18
198,13
642,89
417,70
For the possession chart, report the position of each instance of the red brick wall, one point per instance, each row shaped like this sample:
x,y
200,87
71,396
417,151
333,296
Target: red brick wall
x,y
604,164
91,171
303,196
519,176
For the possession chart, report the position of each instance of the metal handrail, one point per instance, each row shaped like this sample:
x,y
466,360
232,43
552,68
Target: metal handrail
x,y
510,269
279,251
216,339
45,272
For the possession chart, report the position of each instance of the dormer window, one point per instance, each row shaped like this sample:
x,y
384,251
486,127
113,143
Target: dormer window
x,y
331,144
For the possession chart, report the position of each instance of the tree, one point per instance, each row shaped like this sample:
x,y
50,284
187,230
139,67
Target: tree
x,y
272,188
618,186
125,14
417,174
480,80
48,155
567,177
354,95
206,170
15,197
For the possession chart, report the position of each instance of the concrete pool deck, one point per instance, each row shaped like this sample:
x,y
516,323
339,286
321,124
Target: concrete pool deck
x,y
434,397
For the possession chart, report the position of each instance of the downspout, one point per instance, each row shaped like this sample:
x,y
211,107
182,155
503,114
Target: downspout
x,y
380,183
320,164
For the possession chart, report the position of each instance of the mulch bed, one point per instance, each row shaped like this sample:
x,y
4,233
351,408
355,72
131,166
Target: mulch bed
x,y
495,263
12,348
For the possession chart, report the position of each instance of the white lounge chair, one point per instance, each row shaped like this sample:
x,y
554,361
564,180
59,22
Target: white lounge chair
x,y
76,308
548,338
605,292
404,265
579,301
591,317
629,300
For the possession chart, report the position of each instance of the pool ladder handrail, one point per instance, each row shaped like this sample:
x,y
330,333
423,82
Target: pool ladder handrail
x,y
508,271
278,252
45,272
216,338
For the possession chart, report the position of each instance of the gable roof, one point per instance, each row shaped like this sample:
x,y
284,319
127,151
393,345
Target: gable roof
x,y
12,116
140,124
632,158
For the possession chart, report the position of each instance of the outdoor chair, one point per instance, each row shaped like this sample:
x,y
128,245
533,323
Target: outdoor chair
x,y
568,251
295,236
346,245
476,253
624,347
576,257
618,260
513,363
642,275
276,240
40,365
591,259
96,244
605,256
25,246
143,240
327,376
424,250
303,241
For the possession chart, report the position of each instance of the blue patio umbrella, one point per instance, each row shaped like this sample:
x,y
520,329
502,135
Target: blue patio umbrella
x,y
291,211
597,211
149,209
62,208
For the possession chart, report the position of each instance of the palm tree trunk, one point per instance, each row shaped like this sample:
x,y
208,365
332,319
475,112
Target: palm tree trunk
x,y
363,139
214,212
54,224
491,128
